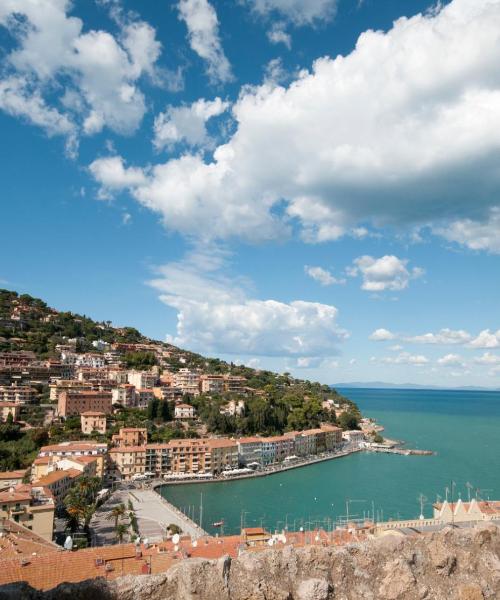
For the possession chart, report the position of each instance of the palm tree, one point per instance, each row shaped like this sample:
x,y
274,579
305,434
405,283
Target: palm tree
x,y
120,531
116,513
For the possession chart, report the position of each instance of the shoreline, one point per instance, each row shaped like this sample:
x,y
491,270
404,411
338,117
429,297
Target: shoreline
x,y
273,471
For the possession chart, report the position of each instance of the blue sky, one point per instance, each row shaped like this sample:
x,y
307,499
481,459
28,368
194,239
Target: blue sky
x,y
302,185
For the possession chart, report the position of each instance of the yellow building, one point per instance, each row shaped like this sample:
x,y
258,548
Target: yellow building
x,y
223,455
124,462
93,421
31,506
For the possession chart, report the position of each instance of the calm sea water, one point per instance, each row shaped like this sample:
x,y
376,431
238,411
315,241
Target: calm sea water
x,y
462,427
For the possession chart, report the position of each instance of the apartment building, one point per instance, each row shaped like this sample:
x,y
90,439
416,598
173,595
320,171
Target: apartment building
x,y
333,436
276,449
211,384
87,359
58,483
190,456
124,395
250,451
31,506
223,455
56,452
11,478
19,394
93,421
184,411
158,458
130,436
91,374
234,384
9,408
143,396
142,379
188,381
354,437
67,385
126,461
74,403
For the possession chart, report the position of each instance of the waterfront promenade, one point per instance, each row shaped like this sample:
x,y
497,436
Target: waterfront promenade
x,y
154,514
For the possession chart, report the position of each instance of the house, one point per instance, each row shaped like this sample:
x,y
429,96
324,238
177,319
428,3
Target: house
x,y
9,408
31,506
58,483
93,421
184,411
130,436
233,408
353,437
53,453
11,478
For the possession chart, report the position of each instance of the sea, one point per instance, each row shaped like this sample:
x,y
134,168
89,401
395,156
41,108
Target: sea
x,y
462,427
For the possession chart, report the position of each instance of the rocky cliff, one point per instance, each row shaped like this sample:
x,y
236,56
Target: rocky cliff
x,y
454,564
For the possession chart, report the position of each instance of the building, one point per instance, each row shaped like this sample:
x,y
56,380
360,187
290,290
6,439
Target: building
x,y
75,403
11,478
158,458
19,394
353,437
234,384
190,456
233,408
31,506
124,395
212,384
184,411
143,396
126,461
187,381
53,453
9,408
276,449
130,436
460,512
255,536
250,452
93,421
333,436
223,455
58,483
67,385
142,379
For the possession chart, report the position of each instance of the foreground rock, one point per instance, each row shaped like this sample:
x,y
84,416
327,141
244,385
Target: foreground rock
x,y
450,565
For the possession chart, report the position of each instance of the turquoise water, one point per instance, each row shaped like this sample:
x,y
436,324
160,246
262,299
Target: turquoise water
x,y
462,427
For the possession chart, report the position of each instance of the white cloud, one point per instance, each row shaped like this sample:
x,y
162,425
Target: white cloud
x,y
203,34
215,314
486,339
186,123
476,235
322,276
278,35
405,358
443,337
451,360
298,12
488,359
396,348
98,72
113,174
386,273
382,335
334,161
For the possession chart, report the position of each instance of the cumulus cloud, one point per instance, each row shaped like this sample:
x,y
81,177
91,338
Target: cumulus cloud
x,y
451,360
477,235
444,337
386,273
186,123
382,335
278,35
488,359
216,314
113,174
486,339
364,138
98,72
322,276
203,34
298,12
405,358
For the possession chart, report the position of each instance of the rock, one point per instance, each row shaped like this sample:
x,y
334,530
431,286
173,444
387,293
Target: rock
x,y
470,592
313,589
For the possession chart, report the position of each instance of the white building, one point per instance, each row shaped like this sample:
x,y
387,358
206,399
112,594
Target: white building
x,y
142,379
184,411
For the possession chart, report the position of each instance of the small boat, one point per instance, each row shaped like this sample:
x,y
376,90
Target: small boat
x,y
218,523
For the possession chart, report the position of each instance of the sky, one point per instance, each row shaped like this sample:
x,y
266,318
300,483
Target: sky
x,y
309,186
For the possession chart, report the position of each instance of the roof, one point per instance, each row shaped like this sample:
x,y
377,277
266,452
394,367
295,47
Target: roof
x,y
19,474
73,447
222,443
184,406
125,449
8,404
14,495
93,413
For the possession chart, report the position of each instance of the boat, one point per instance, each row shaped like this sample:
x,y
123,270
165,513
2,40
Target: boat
x,y
218,523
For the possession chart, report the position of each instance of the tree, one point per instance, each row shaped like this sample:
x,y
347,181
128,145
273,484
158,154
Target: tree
x,y
173,528
121,530
348,421
152,411
116,513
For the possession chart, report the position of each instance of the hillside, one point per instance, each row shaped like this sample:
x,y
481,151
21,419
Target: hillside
x,y
274,402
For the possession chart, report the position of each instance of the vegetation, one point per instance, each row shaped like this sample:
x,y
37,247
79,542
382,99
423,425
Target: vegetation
x,y
80,503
